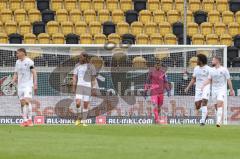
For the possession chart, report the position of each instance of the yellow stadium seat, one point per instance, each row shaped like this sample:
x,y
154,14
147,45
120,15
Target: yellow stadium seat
x,y
114,38
103,15
29,4
170,39
15,4
98,5
3,38
62,15
6,15
179,5
226,39
20,15
3,4
126,5
161,55
142,39
11,27
43,38
153,5
194,5
136,28
52,27
192,28
122,28
233,29
1,27
117,16
192,62
227,17
89,15
213,16
208,5
95,27
80,27
198,39
165,28
30,38
156,39
158,16
212,39
24,27
167,5
189,16
112,5
206,28
70,4
219,28
58,38
34,15
100,38
150,28
85,5
67,27
139,62
222,5
145,16
237,16
173,16
75,15
56,5
86,39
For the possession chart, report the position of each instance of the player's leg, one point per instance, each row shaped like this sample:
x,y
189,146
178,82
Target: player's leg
x,y
24,113
78,107
154,101
28,99
220,104
85,111
197,107
205,97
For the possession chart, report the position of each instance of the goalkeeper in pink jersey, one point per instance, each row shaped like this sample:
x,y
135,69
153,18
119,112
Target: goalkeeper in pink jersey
x,y
157,83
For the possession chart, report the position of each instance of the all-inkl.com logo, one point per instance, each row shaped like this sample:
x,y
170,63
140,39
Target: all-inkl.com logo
x,y
6,89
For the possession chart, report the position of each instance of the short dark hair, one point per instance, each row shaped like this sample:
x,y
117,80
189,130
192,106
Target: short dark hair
x,y
84,54
218,58
22,50
202,58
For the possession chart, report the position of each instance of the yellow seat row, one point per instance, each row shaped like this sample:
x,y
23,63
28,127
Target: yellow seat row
x,y
17,4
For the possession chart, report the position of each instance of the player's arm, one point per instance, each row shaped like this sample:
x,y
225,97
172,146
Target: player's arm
x,y
74,79
207,82
229,82
193,80
34,73
15,76
93,80
148,81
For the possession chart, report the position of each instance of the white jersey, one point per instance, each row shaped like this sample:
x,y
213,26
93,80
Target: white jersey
x,y
201,74
219,77
23,70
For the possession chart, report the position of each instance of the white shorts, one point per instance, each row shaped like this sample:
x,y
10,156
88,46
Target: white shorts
x,y
25,93
199,95
218,95
83,93
84,98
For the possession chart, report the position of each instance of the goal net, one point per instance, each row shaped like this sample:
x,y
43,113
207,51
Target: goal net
x,y
121,76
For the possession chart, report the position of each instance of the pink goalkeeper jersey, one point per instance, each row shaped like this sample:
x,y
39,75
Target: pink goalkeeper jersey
x,y
157,81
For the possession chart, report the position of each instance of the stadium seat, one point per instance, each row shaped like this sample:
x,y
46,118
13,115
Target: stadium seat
x,y
126,5
179,5
236,62
153,5
232,52
237,41
29,4
52,27
72,39
15,38
58,38
233,29
181,40
139,62
156,39
38,27
42,5
6,15
222,5
219,28
145,16
20,15
89,15
136,28
213,16
128,39
62,15
117,16
3,4
200,17
47,15
99,38
158,16
165,28
142,39
70,5
150,28
194,5
122,28
170,39
112,5
11,27
98,5
131,16
103,15
3,38
237,16
86,38
234,5
167,5
226,39
109,28
67,27
190,16
173,16
140,5
85,5
95,27
75,15
39,61
227,17
1,27
114,38
43,38
177,28
14,4
208,5
206,28
192,62
34,15
29,38
80,27
212,39
25,27
56,5
198,39
192,29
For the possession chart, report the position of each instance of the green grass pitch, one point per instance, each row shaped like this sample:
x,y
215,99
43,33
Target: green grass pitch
x,y
120,142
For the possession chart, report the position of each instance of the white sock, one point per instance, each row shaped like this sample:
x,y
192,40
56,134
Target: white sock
x,y
29,111
219,115
204,113
84,116
25,113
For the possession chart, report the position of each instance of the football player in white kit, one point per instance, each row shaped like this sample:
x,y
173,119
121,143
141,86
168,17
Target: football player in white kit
x,y
219,77
26,77
84,84
200,75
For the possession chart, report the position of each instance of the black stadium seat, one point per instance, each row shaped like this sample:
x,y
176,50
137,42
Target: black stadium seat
x,y
178,28
15,38
42,4
38,27
140,5
131,16
234,5
47,15
200,17
237,41
72,39
181,40
128,39
109,28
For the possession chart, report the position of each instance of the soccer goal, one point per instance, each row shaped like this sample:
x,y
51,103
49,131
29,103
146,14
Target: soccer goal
x,y
121,75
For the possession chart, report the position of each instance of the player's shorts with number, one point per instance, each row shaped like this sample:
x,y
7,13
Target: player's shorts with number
x,y
83,93
199,95
218,95
25,92
157,99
